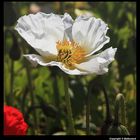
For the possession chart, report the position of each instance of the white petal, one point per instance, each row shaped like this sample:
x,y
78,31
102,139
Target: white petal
x,y
90,33
82,17
108,54
68,22
37,59
98,64
41,31
72,72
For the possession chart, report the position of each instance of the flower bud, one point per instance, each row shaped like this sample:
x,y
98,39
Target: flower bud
x,y
117,129
15,50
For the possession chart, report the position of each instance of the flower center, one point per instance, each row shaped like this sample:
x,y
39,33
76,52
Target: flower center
x,y
70,53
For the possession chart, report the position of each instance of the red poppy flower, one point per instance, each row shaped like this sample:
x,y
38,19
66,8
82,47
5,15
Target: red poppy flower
x,y
14,123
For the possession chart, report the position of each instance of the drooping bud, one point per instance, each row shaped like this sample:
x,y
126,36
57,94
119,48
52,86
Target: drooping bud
x,y
10,16
15,51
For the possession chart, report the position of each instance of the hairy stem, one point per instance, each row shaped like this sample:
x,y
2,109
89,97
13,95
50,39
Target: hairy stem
x,y
108,114
88,113
57,100
71,130
11,83
32,95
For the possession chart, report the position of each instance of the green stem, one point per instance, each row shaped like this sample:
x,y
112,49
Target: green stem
x,y
108,113
88,113
71,130
57,100
30,87
134,79
11,83
32,95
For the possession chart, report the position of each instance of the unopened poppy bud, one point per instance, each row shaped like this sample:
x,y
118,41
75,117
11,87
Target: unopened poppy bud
x,y
117,129
15,50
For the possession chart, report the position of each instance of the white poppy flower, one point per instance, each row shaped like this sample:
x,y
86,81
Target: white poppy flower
x,y
65,43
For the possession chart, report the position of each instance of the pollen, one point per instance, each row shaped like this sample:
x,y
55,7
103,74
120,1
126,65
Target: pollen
x,y
70,53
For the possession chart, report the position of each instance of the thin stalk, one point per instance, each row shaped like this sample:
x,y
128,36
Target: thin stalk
x,y
108,117
134,80
71,130
32,95
108,113
28,72
11,83
88,113
57,100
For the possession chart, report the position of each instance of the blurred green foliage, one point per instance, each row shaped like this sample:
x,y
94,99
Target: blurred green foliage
x,y
39,92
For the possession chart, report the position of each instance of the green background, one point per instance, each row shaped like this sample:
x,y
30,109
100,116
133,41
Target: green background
x,y
39,92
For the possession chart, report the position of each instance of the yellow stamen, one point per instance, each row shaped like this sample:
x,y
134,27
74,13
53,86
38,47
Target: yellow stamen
x,y
70,53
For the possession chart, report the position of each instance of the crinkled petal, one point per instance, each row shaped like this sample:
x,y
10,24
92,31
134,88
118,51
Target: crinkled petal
x,y
72,72
90,33
82,17
68,22
41,31
98,64
37,59
95,65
